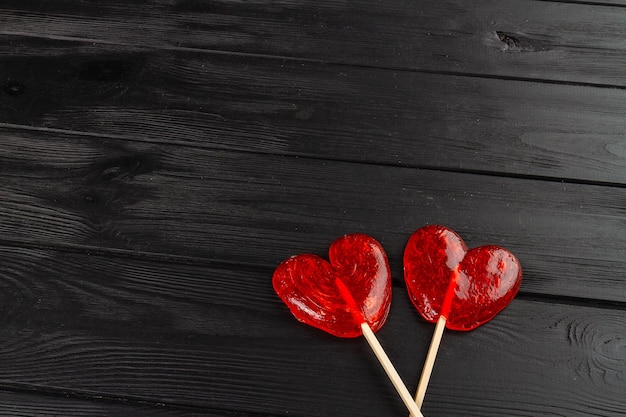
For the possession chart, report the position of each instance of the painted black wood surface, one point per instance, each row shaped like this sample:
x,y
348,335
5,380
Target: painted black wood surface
x,y
158,159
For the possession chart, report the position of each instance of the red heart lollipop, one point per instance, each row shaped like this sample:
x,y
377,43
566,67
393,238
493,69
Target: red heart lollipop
x,y
454,287
308,285
479,282
348,297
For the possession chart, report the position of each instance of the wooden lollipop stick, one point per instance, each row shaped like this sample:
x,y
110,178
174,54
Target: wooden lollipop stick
x,y
430,362
378,350
427,370
390,370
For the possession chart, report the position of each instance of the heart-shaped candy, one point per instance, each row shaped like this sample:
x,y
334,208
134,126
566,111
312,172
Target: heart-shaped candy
x,y
309,286
484,279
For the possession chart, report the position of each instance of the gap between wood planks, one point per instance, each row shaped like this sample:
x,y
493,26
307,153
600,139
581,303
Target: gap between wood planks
x,y
617,3
548,178
172,259
328,62
41,397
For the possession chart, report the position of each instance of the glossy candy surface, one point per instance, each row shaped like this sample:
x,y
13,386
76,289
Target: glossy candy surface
x,y
468,287
308,285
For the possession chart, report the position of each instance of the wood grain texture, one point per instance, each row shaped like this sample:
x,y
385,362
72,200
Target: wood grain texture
x,y
325,111
531,39
252,208
33,404
219,337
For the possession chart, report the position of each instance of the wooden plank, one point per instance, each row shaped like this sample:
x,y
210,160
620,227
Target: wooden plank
x,y
249,208
507,38
219,337
326,111
29,404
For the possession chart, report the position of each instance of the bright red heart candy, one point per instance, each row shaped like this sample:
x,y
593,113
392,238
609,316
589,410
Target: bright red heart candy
x,y
487,278
308,285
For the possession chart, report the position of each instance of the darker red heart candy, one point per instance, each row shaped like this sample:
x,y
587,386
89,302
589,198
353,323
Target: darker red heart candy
x,y
485,279
308,285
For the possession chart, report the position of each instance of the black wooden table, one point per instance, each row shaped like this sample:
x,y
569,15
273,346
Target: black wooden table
x,y
158,159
